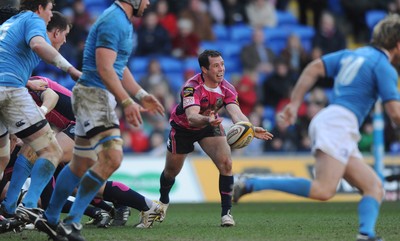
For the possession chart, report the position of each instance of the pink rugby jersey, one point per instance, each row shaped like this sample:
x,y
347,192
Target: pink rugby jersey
x,y
62,114
194,92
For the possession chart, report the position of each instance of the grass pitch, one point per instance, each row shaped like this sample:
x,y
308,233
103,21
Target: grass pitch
x,y
254,221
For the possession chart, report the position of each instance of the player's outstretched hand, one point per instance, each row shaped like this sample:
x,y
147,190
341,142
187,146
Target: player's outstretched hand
x,y
151,104
132,114
288,115
213,120
36,84
262,134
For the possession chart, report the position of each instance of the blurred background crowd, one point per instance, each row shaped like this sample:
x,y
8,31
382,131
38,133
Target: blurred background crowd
x,y
265,45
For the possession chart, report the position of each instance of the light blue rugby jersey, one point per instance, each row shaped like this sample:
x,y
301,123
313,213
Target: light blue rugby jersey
x,y
360,77
112,30
17,59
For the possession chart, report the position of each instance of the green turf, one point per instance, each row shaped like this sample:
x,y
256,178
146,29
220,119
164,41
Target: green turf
x,y
255,221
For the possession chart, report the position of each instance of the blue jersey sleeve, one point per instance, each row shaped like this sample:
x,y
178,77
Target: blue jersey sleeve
x,y
107,37
387,78
332,63
35,26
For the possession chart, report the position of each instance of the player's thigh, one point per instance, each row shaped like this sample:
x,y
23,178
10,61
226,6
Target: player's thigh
x,y
362,176
328,170
217,149
67,145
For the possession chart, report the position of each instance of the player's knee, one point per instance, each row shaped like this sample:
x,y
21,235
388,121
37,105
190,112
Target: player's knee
x,y
113,159
322,193
225,165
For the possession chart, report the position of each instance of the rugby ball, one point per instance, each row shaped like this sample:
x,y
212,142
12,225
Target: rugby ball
x,y
240,134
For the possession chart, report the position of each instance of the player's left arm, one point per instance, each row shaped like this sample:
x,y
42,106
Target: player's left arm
x,y
49,100
237,115
148,101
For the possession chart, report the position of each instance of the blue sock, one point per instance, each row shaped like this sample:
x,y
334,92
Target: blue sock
x,y
368,211
21,171
88,188
41,174
65,185
297,186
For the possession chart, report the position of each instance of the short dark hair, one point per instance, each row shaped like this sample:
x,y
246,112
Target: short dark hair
x,y
58,21
203,57
33,5
6,13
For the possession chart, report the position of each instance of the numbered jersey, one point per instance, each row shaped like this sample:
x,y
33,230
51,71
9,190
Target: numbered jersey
x,y
361,76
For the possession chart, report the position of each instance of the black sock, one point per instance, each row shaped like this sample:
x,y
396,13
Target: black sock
x,y
121,194
98,202
165,188
225,190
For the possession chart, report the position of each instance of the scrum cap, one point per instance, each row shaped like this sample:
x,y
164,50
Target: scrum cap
x,y
135,4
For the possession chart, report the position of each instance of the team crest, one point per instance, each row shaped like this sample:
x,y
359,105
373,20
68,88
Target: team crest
x,y
219,103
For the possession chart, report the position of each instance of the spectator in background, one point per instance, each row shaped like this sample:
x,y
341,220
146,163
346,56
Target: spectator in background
x,y
294,54
256,56
157,84
216,10
317,100
328,37
261,13
367,136
186,43
167,19
278,85
235,12
201,19
355,13
316,6
153,39
285,139
246,87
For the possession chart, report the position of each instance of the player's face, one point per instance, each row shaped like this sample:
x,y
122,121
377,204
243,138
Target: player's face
x,y
216,71
46,12
143,5
59,37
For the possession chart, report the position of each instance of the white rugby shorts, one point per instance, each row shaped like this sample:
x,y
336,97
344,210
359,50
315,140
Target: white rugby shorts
x,y
335,131
93,107
18,110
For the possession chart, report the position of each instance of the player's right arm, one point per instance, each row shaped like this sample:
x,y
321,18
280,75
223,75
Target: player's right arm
x,y
105,59
392,108
50,55
306,81
195,119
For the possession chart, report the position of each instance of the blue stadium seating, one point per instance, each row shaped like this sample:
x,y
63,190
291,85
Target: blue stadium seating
x,y
175,80
191,64
230,49
215,45
372,17
170,64
221,32
286,18
241,34
138,64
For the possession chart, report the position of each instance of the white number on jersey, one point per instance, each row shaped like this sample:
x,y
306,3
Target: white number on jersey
x,y
349,69
3,30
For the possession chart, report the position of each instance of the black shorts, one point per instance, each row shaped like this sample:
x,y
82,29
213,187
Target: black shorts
x,y
70,131
181,140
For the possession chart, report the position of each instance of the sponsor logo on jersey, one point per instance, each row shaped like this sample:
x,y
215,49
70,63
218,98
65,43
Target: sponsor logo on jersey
x,y
188,91
188,101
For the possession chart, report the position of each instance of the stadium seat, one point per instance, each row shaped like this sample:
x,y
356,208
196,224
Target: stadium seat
x,y
170,64
191,64
269,117
230,49
286,18
214,45
276,45
276,34
138,64
372,17
241,33
221,32
175,80
232,65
